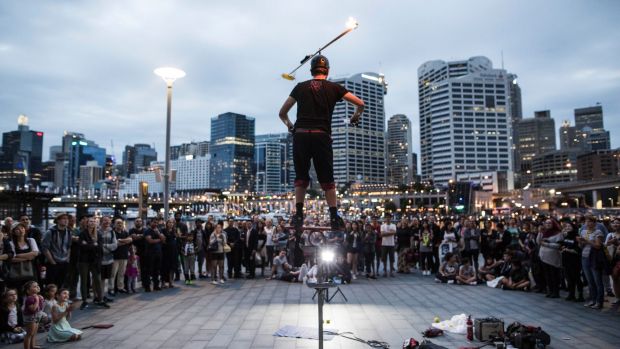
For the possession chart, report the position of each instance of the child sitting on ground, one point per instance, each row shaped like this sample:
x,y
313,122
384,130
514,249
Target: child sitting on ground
x,y
518,278
486,268
467,274
61,331
448,270
11,321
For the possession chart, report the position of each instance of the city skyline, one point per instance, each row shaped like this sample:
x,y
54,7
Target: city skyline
x,y
92,70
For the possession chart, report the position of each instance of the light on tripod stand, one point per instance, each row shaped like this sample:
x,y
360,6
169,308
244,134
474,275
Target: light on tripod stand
x,y
327,256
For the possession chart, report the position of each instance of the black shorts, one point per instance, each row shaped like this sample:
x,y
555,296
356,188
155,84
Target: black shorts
x,y
106,271
315,146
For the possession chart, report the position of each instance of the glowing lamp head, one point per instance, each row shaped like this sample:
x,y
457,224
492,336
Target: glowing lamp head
x,y
352,23
328,256
169,74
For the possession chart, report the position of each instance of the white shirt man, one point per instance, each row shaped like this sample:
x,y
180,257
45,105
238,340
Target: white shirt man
x,y
388,231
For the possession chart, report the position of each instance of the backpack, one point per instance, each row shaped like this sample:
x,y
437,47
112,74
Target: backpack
x,y
526,337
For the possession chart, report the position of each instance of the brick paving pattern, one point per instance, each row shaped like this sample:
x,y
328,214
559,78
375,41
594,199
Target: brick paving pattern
x,y
246,313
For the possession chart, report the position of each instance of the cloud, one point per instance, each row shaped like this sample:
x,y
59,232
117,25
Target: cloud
x,y
88,66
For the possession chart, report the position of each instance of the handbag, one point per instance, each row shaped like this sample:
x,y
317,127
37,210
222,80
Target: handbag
x,y
227,248
213,246
258,259
21,271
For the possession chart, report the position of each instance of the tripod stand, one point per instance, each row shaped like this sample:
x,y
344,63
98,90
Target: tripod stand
x,y
327,296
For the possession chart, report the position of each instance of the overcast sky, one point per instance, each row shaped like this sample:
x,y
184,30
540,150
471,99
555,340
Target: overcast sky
x,y
88,66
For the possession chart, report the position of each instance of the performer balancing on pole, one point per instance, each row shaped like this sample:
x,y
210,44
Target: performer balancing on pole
x,y
316,99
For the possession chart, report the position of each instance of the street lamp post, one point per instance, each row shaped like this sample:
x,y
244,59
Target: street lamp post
x,y
169,75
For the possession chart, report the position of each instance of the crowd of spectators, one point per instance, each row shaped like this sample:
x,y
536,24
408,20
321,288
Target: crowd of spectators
x,y
95,259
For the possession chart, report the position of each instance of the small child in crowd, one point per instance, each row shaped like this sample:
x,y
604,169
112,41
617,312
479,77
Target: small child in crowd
x,y
467,274
132,269
189,254
61,331
33,312
11,321
50,301
448,270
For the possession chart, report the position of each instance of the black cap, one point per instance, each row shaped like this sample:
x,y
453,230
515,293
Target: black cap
x,y
319,62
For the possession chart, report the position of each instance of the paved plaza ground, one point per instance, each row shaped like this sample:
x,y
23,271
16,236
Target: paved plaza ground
x,y
246,313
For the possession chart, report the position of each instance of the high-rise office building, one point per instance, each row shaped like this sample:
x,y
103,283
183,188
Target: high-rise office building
x,y
21,158
533,136
232,152
137,157
558,166
195,149
359,151
589,121
54,150
465,118
273,154
591,117
414,167
516,108
399,162
599,164
80,152
90,173
569,137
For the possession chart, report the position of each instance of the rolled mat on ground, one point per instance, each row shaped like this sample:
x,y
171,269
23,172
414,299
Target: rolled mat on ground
x,y
304,332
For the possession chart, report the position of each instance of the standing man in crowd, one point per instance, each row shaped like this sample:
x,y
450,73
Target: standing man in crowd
x,y
250,239
233,236
56,246
182,232
137,236
121,254
109,244
200,239
153,239
316,99
388,231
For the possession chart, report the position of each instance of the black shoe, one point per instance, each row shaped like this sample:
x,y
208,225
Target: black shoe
x,y
106,299
84,305
111,294
580,299
250,277
103,305
202,276
146,289
192,277
157,288
336,223
570,298
122,291
297,221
